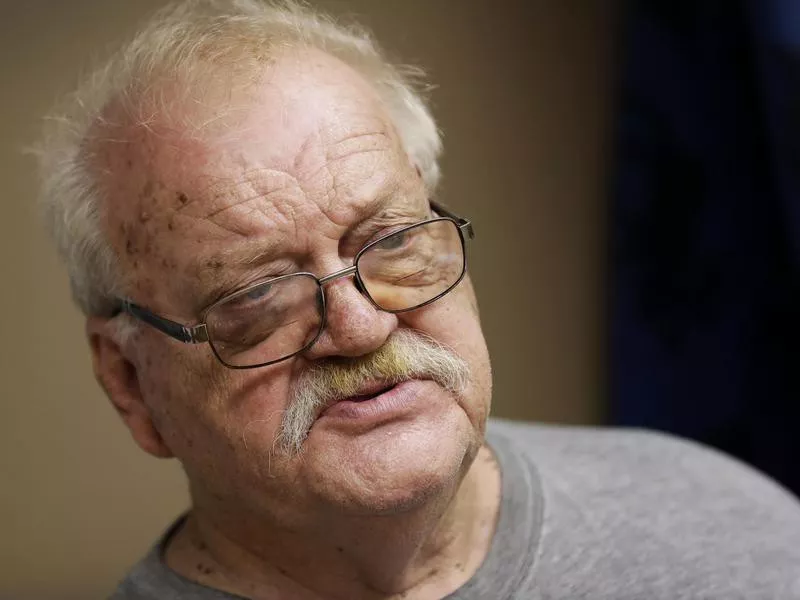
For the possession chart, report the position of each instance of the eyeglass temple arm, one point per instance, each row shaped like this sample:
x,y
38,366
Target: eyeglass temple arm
x,y
187,335
463,224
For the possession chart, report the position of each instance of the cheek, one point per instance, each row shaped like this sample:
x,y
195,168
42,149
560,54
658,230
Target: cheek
x,y
220,423
254,404
453,321
196,401
178,391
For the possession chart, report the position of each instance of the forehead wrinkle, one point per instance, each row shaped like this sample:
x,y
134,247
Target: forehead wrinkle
x,y
369,162
245,209
353,184
261,182
330,156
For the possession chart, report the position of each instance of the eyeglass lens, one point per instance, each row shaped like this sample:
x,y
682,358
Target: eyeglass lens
x,y
412,266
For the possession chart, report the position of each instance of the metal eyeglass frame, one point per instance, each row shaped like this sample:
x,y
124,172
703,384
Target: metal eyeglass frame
x,y
198,334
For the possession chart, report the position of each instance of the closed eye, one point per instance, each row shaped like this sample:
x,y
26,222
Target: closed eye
x,y
258,292
393,242
250,298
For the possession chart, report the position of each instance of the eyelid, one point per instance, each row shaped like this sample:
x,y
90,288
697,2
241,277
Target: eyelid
x,y
274,272
243,300
387,231
261,280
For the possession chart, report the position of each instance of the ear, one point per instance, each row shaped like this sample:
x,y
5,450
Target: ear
x,y
120,380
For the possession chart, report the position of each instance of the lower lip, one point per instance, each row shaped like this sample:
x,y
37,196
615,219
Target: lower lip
x,y
392,402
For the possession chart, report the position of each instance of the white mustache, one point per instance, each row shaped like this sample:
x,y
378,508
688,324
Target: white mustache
x,y
407,354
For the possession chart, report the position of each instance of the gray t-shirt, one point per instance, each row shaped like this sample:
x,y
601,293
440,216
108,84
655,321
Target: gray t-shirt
x,y
606,514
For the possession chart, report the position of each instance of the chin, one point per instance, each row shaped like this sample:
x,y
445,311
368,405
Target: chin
x,y
391,470
396,492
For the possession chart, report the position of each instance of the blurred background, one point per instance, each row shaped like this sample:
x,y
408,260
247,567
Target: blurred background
x,y
631,170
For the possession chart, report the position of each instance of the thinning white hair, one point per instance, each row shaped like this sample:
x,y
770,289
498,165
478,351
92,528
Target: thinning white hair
x,y
186,42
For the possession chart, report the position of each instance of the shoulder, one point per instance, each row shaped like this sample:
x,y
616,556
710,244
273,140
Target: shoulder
x,y
595,458
688,516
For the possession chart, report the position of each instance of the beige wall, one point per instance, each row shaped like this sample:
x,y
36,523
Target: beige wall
x,y
523,99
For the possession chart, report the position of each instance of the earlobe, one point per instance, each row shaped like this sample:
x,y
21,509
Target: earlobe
x,y
119,379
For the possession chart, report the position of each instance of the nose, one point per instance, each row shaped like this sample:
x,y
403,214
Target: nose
x,y
353,325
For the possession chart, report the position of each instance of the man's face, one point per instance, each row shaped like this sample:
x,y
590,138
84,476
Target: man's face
x,y
307,170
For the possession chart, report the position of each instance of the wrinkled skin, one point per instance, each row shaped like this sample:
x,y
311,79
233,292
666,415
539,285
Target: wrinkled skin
x,y
309,170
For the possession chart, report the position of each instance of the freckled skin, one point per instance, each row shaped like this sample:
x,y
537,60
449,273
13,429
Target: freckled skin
x,y
315,155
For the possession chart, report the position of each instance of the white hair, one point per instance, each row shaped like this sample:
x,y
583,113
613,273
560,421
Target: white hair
x,y
186,41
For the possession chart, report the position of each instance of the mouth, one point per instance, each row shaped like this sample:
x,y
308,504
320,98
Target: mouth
x,y
366,394
375,402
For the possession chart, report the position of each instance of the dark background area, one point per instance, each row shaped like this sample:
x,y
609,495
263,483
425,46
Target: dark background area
x,y
705,227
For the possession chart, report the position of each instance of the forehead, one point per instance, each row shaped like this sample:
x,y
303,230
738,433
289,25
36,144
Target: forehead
x,y
307,144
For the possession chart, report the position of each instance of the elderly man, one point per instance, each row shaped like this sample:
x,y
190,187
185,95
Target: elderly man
x,y
244,200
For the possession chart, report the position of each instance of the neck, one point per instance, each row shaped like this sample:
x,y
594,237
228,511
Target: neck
x,y
425,553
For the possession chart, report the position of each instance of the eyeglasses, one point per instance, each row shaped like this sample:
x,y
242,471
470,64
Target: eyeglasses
x,y
272,320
